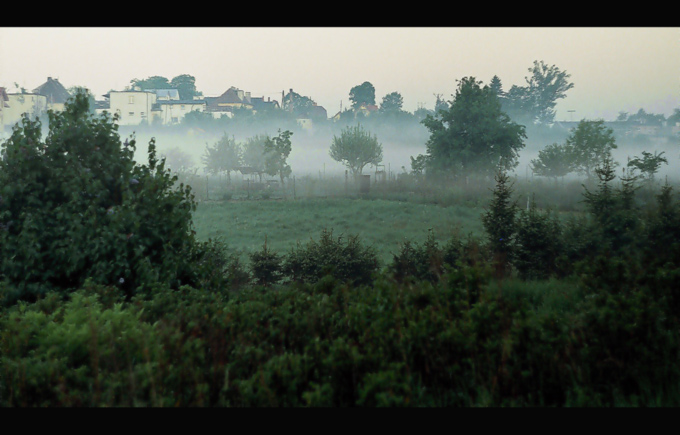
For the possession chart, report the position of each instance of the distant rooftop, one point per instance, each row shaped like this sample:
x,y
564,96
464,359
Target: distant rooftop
x,y
55,92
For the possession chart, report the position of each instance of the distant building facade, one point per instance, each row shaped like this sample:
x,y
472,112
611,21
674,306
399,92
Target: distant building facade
x,y
133,107
34,105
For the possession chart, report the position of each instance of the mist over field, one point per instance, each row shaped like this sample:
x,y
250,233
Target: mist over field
x,y
310,148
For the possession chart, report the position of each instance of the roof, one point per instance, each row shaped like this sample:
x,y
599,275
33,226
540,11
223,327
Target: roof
x,y
55,92
229,96
318,112
172,94
259,103
195,102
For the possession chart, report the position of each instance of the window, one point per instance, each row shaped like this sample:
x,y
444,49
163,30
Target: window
x,y
131,113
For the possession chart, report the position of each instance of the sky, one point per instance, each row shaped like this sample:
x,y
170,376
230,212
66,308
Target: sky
x,y
613,69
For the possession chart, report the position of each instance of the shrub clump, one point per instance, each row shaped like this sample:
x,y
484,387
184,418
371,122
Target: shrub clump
x,y
346,259
76,205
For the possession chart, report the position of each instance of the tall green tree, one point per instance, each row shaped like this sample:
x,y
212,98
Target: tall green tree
x,y
535,103
546,85
589,144
474,136
356,148
277,150
517,104
362,94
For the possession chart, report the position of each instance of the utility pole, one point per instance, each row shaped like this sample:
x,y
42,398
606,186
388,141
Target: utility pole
x,y
571,115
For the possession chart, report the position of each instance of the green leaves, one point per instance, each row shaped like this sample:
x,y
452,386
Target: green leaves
x,y
277,150
76,205
473,136
356,148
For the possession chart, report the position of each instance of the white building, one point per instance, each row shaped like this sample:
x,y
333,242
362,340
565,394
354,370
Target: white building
x,y
34,105
133,107
161,106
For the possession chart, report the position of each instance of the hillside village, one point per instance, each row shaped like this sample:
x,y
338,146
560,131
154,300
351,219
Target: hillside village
x,y
136,106
154,106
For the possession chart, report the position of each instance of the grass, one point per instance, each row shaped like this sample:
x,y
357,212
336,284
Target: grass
x,y
380,223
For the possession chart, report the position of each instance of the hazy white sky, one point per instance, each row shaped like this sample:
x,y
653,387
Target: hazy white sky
x,y
613,69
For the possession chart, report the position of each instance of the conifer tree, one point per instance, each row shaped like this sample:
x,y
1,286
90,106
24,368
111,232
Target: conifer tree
x,y
500,223
538,243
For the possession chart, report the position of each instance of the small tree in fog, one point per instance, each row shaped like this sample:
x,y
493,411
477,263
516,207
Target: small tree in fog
x,y
590,144
253,154
392,103
276,151
553,161
356,148
224,156
177,160
648,164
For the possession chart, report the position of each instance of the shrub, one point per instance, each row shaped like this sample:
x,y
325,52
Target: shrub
x,y
265,266
538,243
500,224
346,259
82,354
77,205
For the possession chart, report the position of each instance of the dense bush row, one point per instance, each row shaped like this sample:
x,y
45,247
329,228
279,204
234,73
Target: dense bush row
x,y
102,310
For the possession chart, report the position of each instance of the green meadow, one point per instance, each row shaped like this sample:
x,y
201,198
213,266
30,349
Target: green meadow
x,y
381,223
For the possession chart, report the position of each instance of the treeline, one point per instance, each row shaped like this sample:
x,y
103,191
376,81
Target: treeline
x,y
109,300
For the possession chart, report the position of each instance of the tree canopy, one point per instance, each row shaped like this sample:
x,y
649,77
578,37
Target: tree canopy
x,y
553,161
184,83
535,102
356,148
589,144
392,103
473,135
75,206
277,150
362,94
223,156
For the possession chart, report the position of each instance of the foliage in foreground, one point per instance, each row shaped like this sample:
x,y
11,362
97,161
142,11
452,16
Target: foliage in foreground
x,y
76,206
465,340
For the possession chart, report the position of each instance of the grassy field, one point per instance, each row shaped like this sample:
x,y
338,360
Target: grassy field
x,y
381,223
